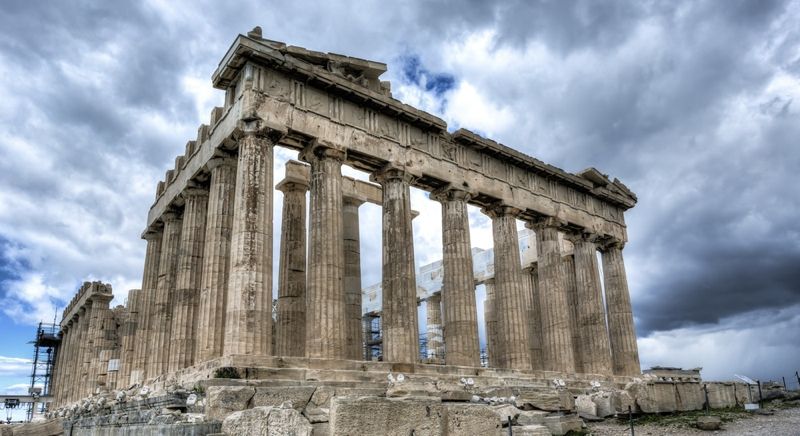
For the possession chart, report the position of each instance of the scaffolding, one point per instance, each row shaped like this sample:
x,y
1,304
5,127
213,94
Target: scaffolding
x,y
45,346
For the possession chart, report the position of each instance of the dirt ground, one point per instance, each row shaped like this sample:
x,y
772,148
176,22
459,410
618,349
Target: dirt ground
x,y
785,422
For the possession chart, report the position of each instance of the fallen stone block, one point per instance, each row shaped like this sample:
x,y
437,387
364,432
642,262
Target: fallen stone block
x,y
423,416
584,404
531,417
299,396
470,419
531,430
269,421
223,400
504,411
709,423
563,424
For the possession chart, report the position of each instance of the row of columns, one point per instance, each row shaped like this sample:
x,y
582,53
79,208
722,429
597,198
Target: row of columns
x,y
82,360
206,288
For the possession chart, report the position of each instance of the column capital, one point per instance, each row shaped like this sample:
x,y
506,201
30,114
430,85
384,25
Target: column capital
x,y
260,129
609,243
221,161
193,191
170,216
152,235
545,222
451,193
498,210
291,185
320,150
392,172
582,236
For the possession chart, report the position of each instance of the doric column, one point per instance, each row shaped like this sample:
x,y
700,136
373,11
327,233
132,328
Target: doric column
x,y
105,330
492,346
216,259
149,282
129,329
71,361
556,332
458,295
62,361
510,299
531,279
436,346
188,279
161,315
248,321
352,276
290,326
571,288
326,328
399,310
591,319
625,352
87,345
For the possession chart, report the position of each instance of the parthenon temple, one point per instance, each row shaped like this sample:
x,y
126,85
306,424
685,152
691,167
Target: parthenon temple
x,y
557,309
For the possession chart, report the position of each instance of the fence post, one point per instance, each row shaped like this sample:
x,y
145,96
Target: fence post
x,y
630,420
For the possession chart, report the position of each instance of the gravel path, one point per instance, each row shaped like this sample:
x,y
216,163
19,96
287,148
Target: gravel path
x,y
784,422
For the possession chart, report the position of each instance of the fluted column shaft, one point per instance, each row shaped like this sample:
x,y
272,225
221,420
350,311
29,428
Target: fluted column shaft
x,y
557,344
458,294
161,315
143,338
352,277
571,288
129,329
62,362
188,279
490,317
622,331
510,299
591,321
534,317
103,345
87,346
399,305
290,326
72,374
216,259
436,345
326,328
248,322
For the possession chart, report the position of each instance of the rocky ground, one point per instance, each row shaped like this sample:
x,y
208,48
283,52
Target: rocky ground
x,y
784,422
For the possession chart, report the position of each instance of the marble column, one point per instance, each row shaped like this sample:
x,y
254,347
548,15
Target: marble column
x,y
625,352
352,276
591,320
129,329
326,327
458,295
71,361
161,314
141,346
492,346
510,299
399,286
216,259
557,347
248,318
531,274
436,346
188,278
62,363
571,288
290,326
104,332
88,328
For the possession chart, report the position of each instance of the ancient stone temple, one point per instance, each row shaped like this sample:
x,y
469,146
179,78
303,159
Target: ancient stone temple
x,y
200,337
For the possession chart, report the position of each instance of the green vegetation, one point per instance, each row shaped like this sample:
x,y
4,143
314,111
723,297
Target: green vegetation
x,y
227,372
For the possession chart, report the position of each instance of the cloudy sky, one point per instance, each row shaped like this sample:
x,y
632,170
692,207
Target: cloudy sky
x,y
691,104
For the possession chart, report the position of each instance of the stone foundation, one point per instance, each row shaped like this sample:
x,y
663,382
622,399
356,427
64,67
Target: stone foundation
x,y
337,397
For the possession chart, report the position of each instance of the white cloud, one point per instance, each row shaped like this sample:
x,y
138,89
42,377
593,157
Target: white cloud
x,y
14,367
